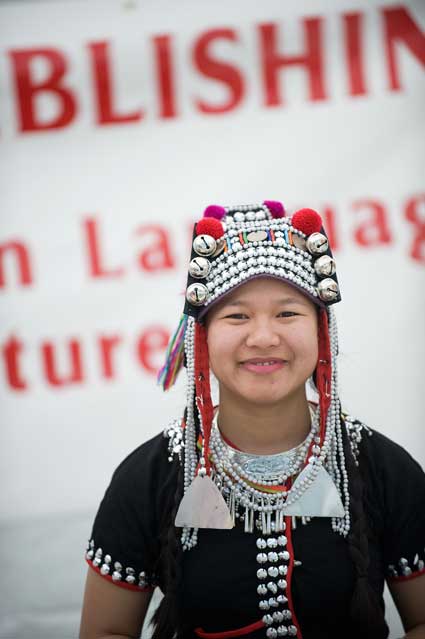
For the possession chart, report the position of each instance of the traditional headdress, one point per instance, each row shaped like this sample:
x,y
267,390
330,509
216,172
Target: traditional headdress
x,y
232,245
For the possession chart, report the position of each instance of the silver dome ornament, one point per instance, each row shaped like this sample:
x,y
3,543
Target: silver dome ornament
x,y
199,267
317,243
196,294
328,290
325,266
204,244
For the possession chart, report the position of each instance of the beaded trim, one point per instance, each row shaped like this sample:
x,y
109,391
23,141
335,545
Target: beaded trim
x,y
174,433
124,576
404,569
355,430
274,576
276,257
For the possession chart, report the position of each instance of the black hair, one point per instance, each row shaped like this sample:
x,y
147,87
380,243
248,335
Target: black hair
x,y
366,612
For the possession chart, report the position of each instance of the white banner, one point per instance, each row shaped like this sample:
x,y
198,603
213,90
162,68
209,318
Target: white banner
x,y
119,123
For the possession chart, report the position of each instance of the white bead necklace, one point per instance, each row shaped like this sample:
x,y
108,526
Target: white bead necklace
x,y
247,481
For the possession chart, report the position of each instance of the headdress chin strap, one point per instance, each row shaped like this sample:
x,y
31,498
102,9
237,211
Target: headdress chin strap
x,y
203,390
324,370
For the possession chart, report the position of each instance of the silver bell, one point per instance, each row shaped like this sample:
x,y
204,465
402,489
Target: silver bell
x,y
328,290
199,267
317,243
325,266
196,294
204,244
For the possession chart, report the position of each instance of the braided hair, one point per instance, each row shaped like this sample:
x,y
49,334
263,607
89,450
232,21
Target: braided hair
x,y
367,615
167,616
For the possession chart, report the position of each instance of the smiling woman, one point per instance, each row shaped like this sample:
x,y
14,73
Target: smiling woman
x,y
268,515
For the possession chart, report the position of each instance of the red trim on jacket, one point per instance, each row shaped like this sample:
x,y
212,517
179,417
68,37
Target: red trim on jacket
x,y
227,634
417,573
288,534
121,584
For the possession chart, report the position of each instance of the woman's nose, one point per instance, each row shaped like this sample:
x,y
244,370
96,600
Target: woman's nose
x,y
262,334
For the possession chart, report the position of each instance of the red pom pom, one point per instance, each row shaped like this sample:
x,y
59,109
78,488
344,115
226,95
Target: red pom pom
x,y
307,220
210,226
276,208
215,211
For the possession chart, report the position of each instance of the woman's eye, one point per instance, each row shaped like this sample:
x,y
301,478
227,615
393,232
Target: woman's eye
x,y
287,314
237,316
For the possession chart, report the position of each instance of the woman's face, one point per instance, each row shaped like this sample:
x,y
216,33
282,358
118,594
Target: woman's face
x,y
262,341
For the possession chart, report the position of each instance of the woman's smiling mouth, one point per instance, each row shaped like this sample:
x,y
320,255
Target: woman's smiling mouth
x,y
262,365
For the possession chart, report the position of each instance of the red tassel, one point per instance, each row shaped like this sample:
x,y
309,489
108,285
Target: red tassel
x,y
324,371
202,386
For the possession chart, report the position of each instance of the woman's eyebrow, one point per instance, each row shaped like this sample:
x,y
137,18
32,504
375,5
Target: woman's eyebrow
x,y
283,300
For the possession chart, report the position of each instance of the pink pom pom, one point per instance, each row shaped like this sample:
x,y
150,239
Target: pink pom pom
x,y
218,212
307,221
210,226
276,208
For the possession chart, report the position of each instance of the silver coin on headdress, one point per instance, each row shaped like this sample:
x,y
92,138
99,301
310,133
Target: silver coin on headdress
x,y
196,294
199,267
328,290
317,243
204,244
325,266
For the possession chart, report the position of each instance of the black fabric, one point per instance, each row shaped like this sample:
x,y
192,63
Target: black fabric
x,y
219,589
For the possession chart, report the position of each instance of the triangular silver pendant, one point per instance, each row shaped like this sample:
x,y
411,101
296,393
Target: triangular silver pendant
x,y
203,506
321,499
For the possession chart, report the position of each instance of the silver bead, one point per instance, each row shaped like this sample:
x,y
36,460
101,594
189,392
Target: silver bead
x,y
272,542
262,589
271,633
264,605
272,557
267,620
130,579
292,630
273,571
317,243
199,267
261,557
325,266
261,543
196,294
104,569
328,290
282,631
204,244
282,584
273,603
272,587
116,576
281,599
287,614
261,573
278,616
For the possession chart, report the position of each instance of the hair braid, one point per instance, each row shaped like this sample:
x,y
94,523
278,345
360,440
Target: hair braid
x,y
166,618
366,612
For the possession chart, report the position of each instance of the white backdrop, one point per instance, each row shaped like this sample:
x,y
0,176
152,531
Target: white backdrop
x,y
119,122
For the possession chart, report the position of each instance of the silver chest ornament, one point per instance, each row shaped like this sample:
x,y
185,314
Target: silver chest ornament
x,y
328,290
196,294
317,243
204,244
325,266
199,267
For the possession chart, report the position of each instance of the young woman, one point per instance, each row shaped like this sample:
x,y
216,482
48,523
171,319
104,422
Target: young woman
x,y
268,516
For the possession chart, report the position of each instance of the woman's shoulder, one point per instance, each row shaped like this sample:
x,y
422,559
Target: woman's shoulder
x,y
381,451
153,455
